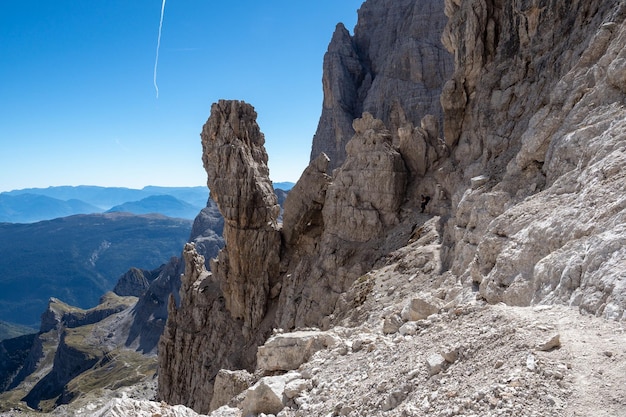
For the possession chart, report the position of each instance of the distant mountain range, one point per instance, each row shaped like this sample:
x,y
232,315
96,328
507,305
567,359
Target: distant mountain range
x,y
87,239
79,258
164,204
36,204
28,208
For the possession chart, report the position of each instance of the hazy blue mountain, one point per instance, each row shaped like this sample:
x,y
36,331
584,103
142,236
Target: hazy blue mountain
x,y
196,196
286,185
103,197
79,258
107,197
28,208
36,204
164,204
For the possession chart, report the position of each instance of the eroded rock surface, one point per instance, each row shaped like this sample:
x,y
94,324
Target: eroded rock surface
x,y
544,125
236,164
218,323
394,67
517,198
361,204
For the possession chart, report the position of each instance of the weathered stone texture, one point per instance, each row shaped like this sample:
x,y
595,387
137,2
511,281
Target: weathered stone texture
x,y
366,193
218,322
526,190
303,205
544,125
286,352
236,164
394,67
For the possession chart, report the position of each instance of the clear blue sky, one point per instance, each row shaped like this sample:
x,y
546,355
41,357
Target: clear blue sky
x,y
78,104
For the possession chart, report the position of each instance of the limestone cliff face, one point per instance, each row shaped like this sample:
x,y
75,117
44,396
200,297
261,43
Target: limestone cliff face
x,y
263,279
523,186
366,194
394,67
535,114
339,237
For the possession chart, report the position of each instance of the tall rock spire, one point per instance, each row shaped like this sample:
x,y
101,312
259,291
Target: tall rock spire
x,y
219,321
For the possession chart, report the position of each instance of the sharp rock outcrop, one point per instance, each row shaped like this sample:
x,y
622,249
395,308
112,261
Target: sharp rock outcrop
x,y
262,279
394,67
219,320
517,197
236,164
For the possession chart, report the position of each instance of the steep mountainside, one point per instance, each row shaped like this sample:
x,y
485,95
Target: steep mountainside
x,y
474,267
543,128
394,67
11,330
522,192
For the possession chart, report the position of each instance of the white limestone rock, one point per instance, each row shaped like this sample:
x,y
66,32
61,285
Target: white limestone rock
x,y
268,394
421,307
227,385
287,351
435,363
128,407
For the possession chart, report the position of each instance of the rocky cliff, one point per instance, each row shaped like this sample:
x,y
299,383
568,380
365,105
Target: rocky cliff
x,y
394,67
85,355
515,194
538,197
219,319
392,286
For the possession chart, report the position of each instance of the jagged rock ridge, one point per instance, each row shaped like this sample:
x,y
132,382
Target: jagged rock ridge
x,y
394,67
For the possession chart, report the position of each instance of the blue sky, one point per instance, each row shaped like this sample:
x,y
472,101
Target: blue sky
x,y
78,104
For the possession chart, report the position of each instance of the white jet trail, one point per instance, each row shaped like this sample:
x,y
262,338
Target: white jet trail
x,y
156,61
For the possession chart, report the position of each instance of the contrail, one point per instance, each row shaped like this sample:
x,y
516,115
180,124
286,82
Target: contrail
x,y
156,61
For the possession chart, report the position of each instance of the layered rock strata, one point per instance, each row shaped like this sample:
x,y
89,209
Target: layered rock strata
x,y
394,67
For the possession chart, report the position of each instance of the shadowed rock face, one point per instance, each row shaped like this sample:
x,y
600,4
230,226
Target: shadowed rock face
x,y
394,67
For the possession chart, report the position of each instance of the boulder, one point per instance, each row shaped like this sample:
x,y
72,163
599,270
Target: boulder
x,y
229,384
421,307
267,395
435,363
287,351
